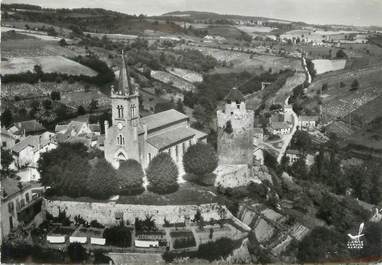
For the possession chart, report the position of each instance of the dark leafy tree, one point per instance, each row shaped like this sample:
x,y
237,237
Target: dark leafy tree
x,y
55,95
118,235
6,160
65,169
162,174
200,159
81,110
130,175
322,245
63,43
93,105
220,249
76,252
354,85
341,54
180,106
47,104
6,118
102,182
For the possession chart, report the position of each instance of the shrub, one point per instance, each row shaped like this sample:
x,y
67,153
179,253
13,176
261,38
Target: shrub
x,y
200,159
130,176
102,181
76,252
96,224
162,174
354,85
221,248
119,236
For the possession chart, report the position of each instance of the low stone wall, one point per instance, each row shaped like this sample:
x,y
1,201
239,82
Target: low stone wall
x,y
105,212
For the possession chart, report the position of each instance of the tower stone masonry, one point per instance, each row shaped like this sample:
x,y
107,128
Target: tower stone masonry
x,y
235,131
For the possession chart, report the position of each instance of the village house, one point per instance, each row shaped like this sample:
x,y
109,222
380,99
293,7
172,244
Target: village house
x,y
258,134
27,152
307,122
78,132
279,127
8,139
133,137
25,128
20,205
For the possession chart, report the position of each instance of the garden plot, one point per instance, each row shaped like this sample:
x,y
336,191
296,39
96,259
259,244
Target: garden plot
x,y
323,65
185,74
172,80
49,64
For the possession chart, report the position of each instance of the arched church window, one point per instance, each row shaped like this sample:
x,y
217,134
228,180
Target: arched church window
x,y
133,108
120,140
120,111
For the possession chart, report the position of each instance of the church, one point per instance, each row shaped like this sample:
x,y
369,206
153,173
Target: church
x,y
142,138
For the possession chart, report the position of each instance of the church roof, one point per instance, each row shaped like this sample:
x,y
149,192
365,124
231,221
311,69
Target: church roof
x,y
171,137
234,95
162,119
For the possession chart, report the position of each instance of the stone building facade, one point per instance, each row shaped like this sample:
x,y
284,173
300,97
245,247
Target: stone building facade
x,y
141,139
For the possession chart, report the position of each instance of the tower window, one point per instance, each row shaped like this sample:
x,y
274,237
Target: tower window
x,y
120,111
120,140
133,108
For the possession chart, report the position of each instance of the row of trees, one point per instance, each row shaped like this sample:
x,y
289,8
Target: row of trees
x,y
72,171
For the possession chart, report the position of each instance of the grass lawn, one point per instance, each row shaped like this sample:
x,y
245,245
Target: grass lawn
x,y
187,194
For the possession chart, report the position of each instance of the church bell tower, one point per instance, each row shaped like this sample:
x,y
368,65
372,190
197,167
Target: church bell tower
x,y
121,138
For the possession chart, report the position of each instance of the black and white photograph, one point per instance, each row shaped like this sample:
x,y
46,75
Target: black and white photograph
x,y
191,132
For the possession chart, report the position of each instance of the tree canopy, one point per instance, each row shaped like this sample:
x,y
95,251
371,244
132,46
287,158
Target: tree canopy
x,y
200,159
162,174
130,175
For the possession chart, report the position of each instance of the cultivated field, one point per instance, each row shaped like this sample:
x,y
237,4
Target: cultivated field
x,y
185,74
24,90
340,101
49,64
324,65
172,80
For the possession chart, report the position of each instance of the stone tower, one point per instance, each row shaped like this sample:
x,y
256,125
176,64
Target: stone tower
x,y
235,131
121,139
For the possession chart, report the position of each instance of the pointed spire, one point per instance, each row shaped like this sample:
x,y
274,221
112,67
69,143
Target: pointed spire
x,y
124,83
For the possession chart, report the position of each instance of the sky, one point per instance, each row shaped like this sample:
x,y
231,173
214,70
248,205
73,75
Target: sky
x,y
346,12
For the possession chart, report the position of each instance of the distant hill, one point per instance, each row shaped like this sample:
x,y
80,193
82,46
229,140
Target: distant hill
x,y
199,15
87,19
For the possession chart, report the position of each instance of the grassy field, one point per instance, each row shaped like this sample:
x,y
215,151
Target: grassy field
x,y
241,61
49,64
323,65
37,47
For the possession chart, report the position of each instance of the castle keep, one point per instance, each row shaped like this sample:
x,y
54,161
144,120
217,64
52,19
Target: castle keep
x,y
133,137
235,131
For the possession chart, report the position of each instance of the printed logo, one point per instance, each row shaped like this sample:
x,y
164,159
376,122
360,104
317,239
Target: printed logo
x,y
355,242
